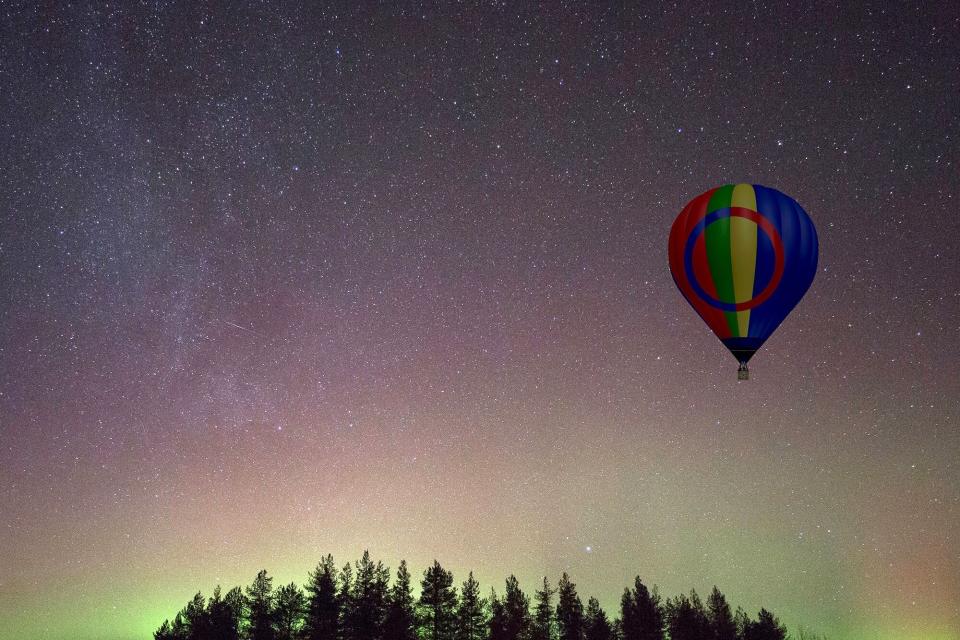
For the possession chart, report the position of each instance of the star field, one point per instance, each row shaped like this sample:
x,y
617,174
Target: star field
x,y
285,281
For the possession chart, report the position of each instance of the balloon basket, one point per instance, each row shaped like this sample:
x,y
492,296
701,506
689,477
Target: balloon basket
x,y
743,373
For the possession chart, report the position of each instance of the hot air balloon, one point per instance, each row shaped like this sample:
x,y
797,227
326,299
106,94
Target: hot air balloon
x,y
743,255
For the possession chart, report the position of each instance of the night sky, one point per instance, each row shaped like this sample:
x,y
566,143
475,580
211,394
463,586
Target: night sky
x,y
283,282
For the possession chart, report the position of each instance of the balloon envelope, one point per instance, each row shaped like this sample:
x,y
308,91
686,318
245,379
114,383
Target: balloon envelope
x,y
743,255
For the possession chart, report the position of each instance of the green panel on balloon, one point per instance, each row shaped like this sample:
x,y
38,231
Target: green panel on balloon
x,y
718,252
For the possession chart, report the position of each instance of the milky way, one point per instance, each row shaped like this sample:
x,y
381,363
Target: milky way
x,y
279,283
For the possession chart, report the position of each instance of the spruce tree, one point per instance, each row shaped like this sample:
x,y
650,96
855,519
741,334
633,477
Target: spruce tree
x,y
721,618
497,622
345,599
380,596
197,621
259,603
323,606
179,630
700,615
741,620
596,624
544,626
437,605
687,619
224,618
237,603
516,608
400,622
288,612
368,599
641,616
767,627
164,632
470,617
570,622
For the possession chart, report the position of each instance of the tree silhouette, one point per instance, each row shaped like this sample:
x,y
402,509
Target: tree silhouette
x,y
288,612
400,622
470,616
722,624
260,607
570,622
516,609
225,614
543,626
687,618
436,608
596,624
323,607
497,622
363,619
641,616
195,615
741,620
766,627
179,630
359,603
345,598
164,632
237,601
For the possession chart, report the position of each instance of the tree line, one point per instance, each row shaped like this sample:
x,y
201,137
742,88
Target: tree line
x,y
359,602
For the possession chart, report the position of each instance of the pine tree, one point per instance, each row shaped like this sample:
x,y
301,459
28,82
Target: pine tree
x,y
437,605
345,599
641,616
323,606
767,627
164,632
363,620
179,630
380,597
570,622
544,626
470,617
516,608
400,622
288,611
596,624
741,620
687,619
700,613
497,623
260,607
237,601
629,619
195,616
721,618
224,618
